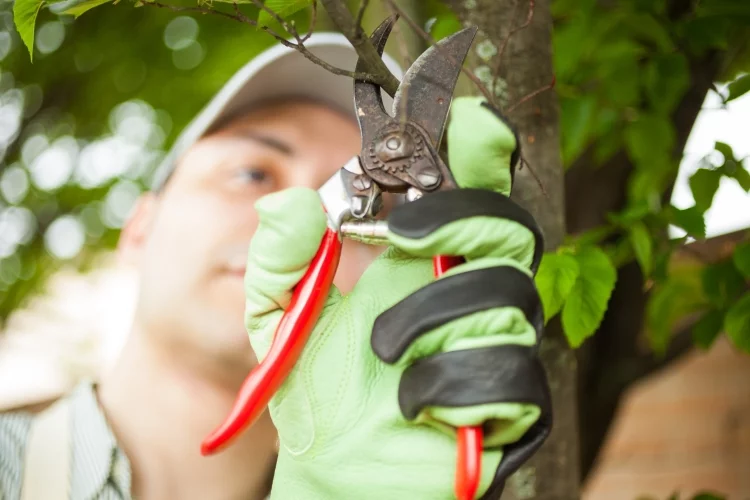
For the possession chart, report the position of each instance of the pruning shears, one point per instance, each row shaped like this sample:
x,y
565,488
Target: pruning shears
x,y
399,154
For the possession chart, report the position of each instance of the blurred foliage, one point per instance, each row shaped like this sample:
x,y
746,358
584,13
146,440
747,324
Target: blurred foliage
x,y
85,124
108,91
623,69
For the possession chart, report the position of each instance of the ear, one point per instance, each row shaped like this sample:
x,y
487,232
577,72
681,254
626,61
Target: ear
x,y
135,232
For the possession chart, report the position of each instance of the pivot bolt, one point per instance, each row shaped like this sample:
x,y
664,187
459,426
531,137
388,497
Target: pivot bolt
x,y
428,177
362,182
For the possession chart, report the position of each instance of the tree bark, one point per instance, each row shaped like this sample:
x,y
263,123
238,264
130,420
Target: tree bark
x,y
526,67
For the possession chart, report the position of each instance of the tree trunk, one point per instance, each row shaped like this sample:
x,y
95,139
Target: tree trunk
x,y
527,68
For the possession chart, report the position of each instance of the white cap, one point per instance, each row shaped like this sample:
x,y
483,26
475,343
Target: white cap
x,y
276,73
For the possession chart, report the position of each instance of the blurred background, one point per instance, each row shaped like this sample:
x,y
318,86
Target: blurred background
x,y
83,126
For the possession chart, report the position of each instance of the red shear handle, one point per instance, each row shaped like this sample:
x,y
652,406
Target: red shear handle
x,y
298,321
469,464
469,439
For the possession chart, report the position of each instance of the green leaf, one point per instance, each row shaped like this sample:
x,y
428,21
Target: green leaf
x,y
704,183
24,15
647,184
708,328
622,83
742,176
642,246
567,54
75,7
632,214
722,283
725,149
619,53
283,8
576,120
655,6
741,258
587,302
661,265
592,236
607,146
620,253
647,28
737,323
669,302
555,278
666,79
691,220
445,24
648,133
562,7
732,167
701,34
661,312
739,87
723,8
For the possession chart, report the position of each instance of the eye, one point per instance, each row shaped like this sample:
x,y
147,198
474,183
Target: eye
x,y
255,175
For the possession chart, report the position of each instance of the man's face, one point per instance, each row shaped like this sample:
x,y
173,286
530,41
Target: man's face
x,y
190,241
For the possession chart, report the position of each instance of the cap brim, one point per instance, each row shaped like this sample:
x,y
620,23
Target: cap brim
x,y
274,74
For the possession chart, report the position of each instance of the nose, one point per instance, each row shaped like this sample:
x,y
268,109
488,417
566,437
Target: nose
x,y
312,175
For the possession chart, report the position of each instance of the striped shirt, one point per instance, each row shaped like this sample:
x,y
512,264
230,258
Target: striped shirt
x,y
99,468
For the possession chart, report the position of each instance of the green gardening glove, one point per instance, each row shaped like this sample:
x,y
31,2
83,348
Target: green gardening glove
x,y
396,366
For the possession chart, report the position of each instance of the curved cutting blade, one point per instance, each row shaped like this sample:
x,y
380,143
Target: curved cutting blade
x,y
367,98
426,91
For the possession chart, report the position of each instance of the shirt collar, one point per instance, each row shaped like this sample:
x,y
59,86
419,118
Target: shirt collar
x,y
97,459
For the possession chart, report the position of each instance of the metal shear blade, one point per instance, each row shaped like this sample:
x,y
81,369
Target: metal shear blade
x,y
401,152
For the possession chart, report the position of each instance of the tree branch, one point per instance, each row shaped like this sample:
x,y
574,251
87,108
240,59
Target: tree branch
x,y
533,94
342,18
313,21
402,45
375,78
501,51
361,12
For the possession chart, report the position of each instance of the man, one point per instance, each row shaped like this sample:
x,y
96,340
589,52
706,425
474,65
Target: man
x,y
281,122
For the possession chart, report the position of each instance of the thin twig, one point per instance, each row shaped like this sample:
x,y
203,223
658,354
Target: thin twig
x,y
237,11
431,41
549,86
524,161
361,13
359,75
529,17
402,44
201,10
368,55
268,30
313,21
289,29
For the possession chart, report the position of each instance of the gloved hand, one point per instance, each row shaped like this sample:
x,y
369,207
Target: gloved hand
x,y
393,368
